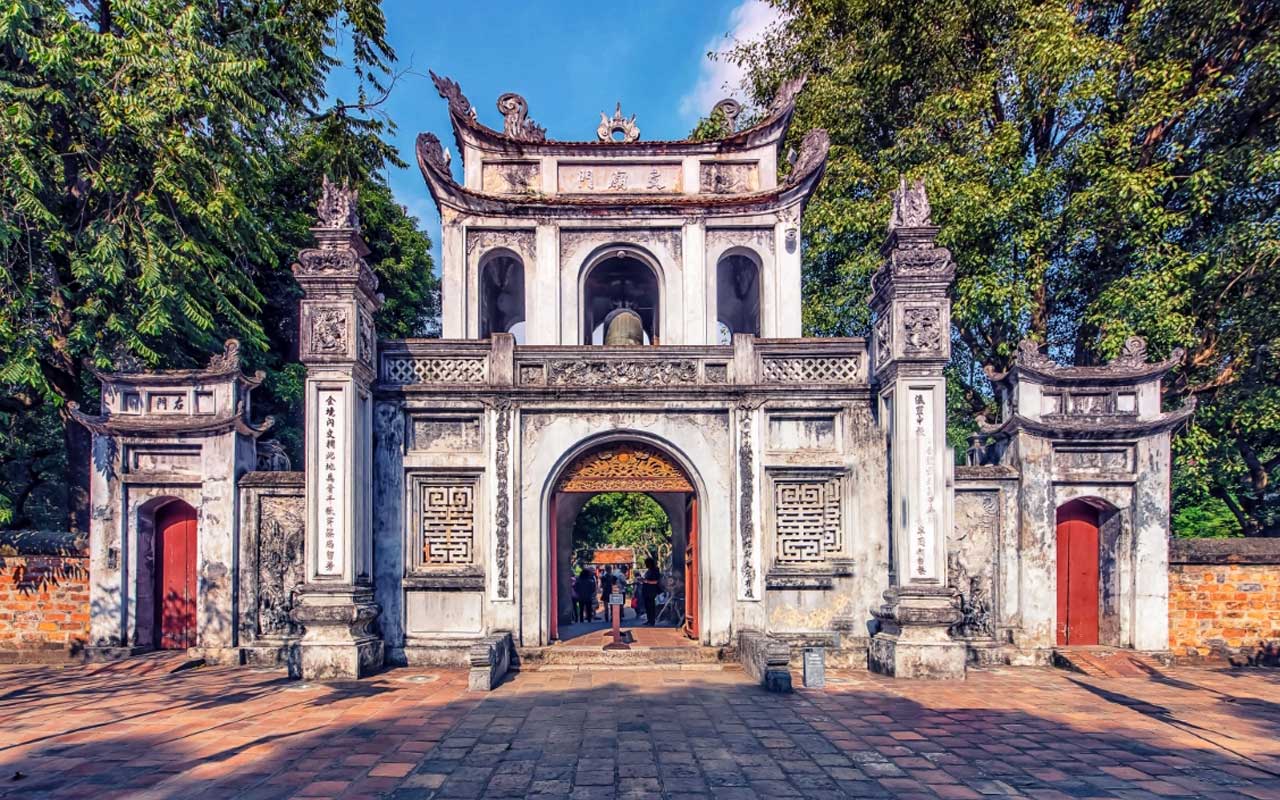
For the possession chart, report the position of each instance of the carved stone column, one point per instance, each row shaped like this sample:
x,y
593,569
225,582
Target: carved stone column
x,y
911,345
337,344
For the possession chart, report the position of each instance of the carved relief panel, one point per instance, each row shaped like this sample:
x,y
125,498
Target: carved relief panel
x,y
729,177
326,330
971,560
281,535
511,177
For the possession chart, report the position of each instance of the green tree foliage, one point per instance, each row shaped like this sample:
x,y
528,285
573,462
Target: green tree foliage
x,y
623,519
1099,169
161,162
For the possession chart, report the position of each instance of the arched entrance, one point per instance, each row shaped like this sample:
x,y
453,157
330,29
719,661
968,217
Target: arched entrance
x,y
175,576
1078,574
626,466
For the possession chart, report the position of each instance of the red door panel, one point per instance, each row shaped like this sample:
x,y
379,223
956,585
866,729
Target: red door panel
x,y
1077,575
175,596
554,627
691,628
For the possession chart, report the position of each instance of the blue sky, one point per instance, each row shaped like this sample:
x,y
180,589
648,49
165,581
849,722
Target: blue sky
x,y
571,59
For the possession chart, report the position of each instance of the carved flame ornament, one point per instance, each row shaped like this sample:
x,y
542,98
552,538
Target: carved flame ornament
x,y
910,206
337,208
618,124
624,467
517,125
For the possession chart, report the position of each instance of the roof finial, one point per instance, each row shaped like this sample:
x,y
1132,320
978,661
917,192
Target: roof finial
x,y
910,206
619,124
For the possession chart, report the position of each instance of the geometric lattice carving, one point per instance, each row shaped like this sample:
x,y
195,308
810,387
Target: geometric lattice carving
x,y
448,522
811,369
408,370
808,519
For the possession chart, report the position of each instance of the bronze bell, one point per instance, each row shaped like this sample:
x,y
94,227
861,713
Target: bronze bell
x,y
624,329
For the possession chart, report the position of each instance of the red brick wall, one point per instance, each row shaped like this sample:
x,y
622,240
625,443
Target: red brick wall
x,y
1224,597
44,596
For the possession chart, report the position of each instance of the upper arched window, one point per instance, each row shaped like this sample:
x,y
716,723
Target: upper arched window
x,y
617,282
737,295
502,295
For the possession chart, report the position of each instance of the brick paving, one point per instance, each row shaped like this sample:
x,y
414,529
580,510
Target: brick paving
x,y
136,732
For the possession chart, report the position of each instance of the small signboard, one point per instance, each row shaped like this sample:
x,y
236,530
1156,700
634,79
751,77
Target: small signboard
x,y
815,667
615,599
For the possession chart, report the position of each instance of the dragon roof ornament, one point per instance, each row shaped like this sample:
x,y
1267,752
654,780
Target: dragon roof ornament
x,y
1131,363
449,89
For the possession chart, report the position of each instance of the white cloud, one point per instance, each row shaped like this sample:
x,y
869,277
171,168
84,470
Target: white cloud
x,y
720,78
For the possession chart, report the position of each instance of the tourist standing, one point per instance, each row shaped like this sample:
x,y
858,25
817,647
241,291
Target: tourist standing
x,y
607,582
623,586
584,595
650,587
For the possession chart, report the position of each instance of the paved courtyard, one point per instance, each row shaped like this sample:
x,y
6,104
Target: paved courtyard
x,y
123,731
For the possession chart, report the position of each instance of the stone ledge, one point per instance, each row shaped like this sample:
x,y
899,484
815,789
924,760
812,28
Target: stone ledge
x,y
1224,551
766,659
490,660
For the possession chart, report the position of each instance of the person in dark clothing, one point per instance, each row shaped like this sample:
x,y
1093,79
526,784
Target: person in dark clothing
x,y
607,582
650,587
584,595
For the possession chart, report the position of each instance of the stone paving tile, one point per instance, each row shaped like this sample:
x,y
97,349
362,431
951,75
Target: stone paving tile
x,y
220,732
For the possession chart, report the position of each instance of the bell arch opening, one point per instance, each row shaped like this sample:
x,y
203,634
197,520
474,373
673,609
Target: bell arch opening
x,y
620,279
634,476
737,296
502,307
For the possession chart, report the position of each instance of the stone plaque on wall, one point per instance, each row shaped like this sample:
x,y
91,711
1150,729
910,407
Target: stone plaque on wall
x,y
280,566
510,177
802,432
729,177
180,459
445,434
615,178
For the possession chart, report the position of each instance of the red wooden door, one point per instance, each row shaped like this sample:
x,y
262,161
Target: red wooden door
x,y
691,628
555,573
175,596
1077,575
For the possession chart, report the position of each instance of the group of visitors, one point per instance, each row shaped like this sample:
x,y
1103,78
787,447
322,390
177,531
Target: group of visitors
x,y
591,591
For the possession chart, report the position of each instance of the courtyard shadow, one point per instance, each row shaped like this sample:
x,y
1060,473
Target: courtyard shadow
x,y
414,733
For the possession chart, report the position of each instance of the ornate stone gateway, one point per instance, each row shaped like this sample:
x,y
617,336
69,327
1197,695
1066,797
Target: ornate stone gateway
x,y
624,315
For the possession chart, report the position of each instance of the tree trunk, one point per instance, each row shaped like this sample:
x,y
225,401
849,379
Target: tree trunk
x,y
79,444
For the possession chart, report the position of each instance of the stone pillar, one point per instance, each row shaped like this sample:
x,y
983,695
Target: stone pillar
x,y
911,345
338,345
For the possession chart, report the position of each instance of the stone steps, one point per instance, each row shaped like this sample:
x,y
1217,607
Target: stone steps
x,y
638,657
1107,662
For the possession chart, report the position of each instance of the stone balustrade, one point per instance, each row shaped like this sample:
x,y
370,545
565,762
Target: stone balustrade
x,y
499,362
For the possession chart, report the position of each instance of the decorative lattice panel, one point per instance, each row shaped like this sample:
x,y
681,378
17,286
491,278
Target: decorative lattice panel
x,y
811,369
407,370
448,523
807,514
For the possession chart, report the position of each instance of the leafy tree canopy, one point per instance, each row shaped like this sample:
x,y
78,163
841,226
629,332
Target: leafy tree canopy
x,y
1099,169
161,161
622,519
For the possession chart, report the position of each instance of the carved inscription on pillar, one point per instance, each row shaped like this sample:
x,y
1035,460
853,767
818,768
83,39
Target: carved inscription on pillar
x,y
746,496
502,455
334,474
807,513
446,521
924,533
